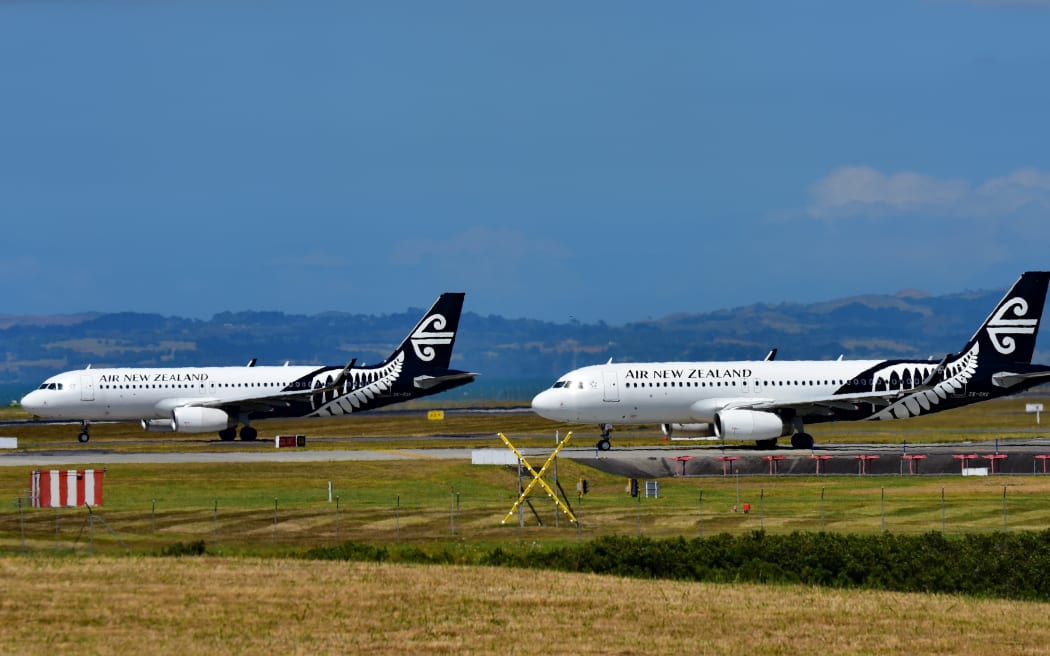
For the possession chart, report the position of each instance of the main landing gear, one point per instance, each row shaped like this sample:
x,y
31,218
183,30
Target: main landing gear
x,y
802,441
248,434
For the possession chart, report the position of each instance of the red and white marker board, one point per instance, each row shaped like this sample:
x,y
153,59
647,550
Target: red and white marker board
x,y
66,488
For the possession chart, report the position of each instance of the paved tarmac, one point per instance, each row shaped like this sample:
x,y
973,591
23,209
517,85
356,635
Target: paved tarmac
x,y
89,456
1017,456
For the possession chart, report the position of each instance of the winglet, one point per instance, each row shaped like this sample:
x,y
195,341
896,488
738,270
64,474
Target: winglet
x,y
338,382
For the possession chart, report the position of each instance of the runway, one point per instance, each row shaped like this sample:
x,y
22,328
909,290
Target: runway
x,y
77,457
1017,456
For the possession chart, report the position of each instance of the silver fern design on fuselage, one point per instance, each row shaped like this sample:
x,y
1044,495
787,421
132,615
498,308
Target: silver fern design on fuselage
x,y
959,373
376,382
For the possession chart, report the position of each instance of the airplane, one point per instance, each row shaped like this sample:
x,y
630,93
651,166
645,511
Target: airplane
x,y
202,400
768,399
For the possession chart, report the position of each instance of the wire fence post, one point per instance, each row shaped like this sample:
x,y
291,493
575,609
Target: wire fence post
x,y
821,510
942,509
639,504
21,523
215,522
882,509
700,513
1004,508
452,514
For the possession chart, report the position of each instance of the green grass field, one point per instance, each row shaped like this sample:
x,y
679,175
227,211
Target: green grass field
x,y
252,593
276,507
280,508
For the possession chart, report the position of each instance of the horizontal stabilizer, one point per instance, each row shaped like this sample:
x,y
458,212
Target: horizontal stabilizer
x,y
1009,379
426,382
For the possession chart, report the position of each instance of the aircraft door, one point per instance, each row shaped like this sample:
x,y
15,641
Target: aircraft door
x,y
87,388
612,387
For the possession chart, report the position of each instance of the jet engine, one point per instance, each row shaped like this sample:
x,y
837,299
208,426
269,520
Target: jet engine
x,y
157,425
195,419
749,425
688,430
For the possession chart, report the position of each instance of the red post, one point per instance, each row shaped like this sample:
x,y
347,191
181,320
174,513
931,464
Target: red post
x,y
821,458
1043,457
994,458
726,462
913,465
683,460
864,460
964,459
773,460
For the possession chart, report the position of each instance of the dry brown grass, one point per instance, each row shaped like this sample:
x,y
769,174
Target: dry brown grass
x,y
218,606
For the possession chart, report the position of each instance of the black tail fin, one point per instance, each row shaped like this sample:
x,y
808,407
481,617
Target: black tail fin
x,y
1008,334
429,346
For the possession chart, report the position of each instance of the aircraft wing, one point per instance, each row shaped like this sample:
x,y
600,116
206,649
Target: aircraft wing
x,y
824,405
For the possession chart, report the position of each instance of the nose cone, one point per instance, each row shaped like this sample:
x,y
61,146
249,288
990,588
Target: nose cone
x,y
551,404
32,403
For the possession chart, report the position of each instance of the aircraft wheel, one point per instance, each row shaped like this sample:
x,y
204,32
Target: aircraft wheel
x,y
228,434
603,445
248,434
83,437
802,441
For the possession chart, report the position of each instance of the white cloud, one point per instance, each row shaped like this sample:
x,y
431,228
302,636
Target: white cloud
x,y
864,191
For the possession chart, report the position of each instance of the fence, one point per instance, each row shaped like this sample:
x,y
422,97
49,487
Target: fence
x,y
686,507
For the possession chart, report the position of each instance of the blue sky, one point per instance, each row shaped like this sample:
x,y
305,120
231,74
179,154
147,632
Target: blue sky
x,y
599,160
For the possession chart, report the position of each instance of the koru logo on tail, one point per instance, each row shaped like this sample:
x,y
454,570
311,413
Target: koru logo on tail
x,y
423,342
1001,329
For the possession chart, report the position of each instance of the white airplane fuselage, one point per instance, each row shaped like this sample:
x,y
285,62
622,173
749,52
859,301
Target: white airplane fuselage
x,y
691,392
767,399
128,394
206,399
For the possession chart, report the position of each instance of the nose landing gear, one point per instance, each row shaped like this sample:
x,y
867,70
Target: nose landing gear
x,y
603,444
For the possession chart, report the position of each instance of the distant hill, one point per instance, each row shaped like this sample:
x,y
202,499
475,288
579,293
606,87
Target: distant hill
x,y
522,352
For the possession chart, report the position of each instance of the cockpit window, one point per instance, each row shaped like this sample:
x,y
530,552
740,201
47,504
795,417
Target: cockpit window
x,y
568,384
50,386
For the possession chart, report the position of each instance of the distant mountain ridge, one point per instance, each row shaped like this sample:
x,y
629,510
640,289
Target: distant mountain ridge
x,y
910,324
